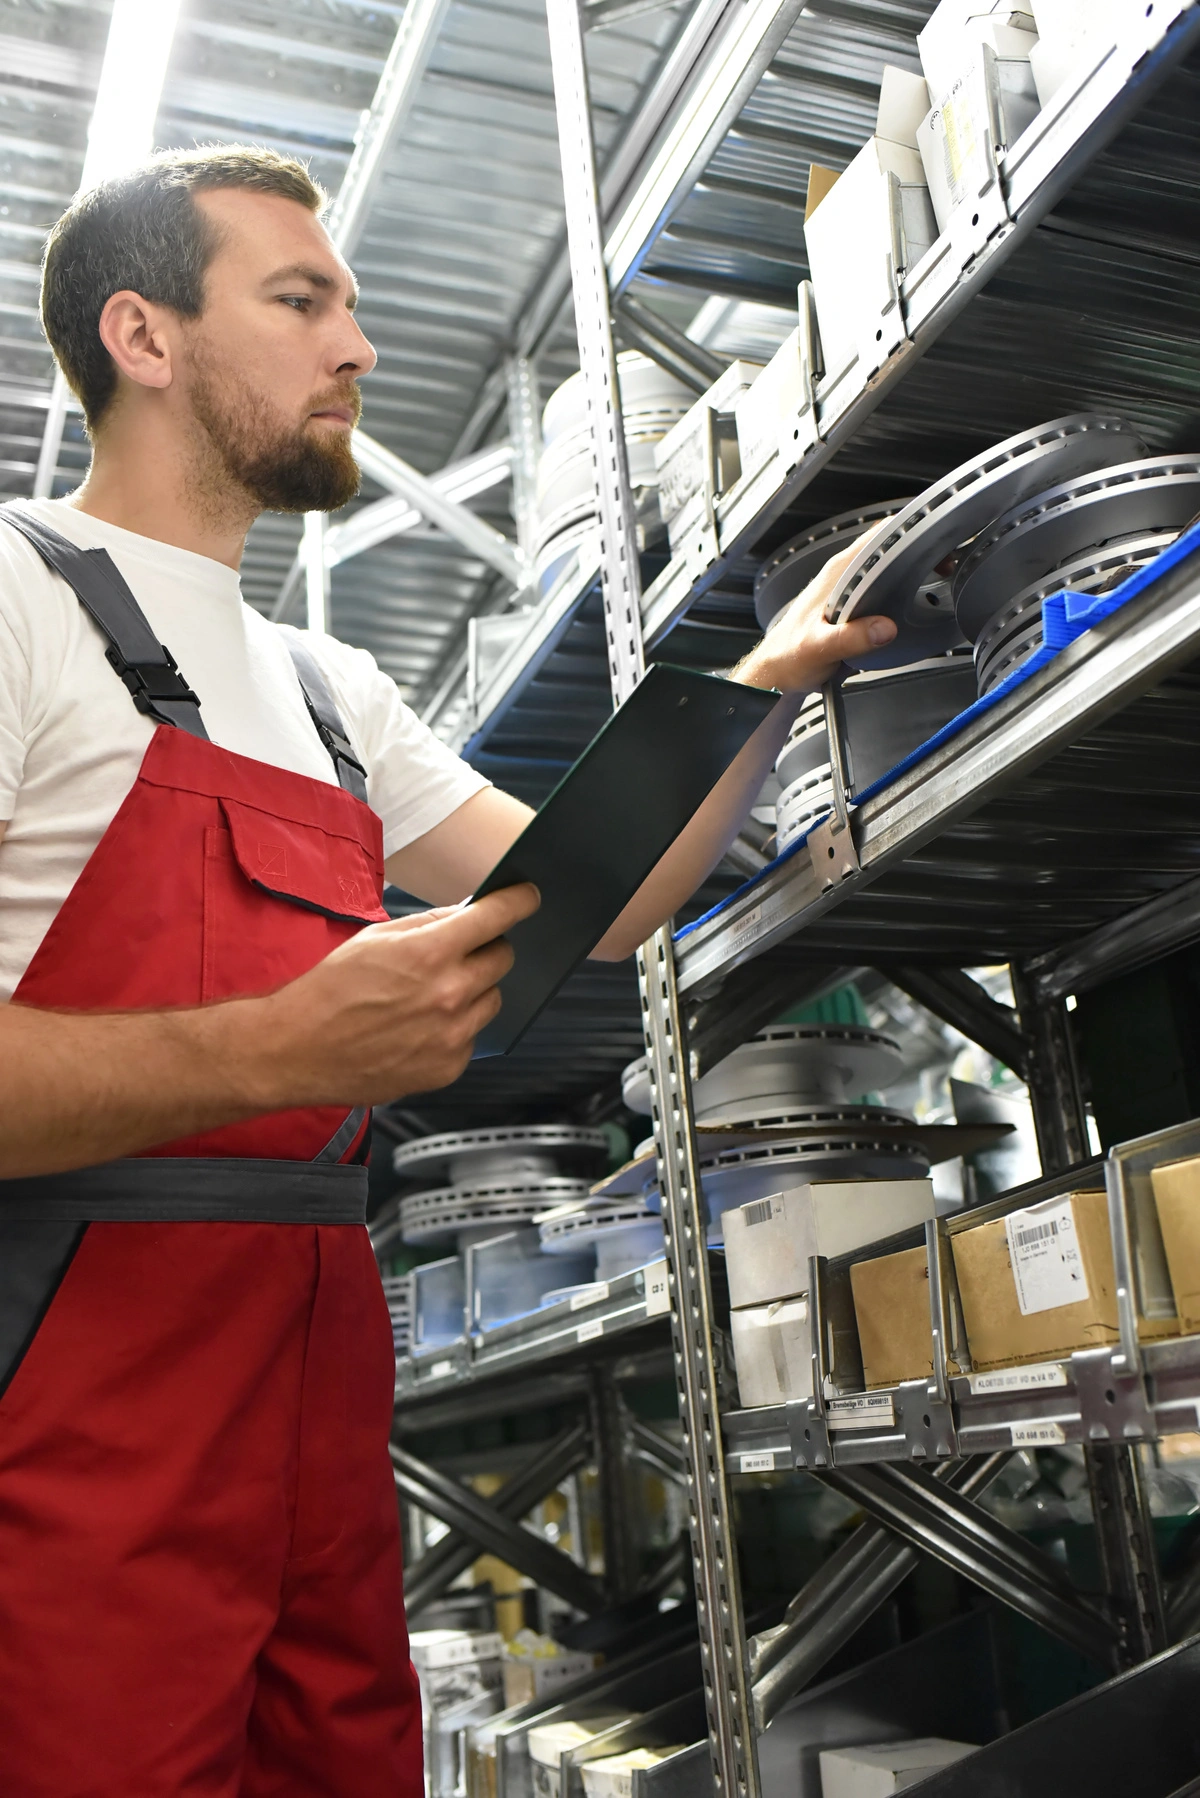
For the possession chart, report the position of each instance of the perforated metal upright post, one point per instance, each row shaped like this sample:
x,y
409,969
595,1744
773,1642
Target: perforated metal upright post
x,y
1124,1534
722,1629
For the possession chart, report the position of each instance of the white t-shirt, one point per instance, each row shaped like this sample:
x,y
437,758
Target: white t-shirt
x,y
71,739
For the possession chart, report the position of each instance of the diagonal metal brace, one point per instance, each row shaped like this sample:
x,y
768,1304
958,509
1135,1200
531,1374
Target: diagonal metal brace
x,y
954,1530
496,1534
960,1001
443,1563
839,1598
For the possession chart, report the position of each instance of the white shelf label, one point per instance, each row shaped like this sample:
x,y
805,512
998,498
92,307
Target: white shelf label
x,y
1037,1435
440,1369
658,1293
589,1332
1019,1379
745,928
1044,1250
868,1411
759,1463
592,1296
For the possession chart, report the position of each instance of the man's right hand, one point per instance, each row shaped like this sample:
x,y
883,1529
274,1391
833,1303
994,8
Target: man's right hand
x,y
395,1010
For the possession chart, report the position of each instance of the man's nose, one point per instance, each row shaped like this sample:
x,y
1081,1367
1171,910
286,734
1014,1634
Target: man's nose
x,y
357,353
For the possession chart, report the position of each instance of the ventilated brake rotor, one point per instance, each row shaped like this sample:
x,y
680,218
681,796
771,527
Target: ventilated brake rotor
x,y
1160,493
895,572
789,570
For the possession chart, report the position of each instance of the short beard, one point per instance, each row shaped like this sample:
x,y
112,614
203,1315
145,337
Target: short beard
x,y
278,468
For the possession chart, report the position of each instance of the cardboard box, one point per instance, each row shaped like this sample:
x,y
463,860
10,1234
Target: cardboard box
x,y
613,1776
551,1741
863,228
991,101
768,1242
454,1667
891,1305
1039,1283
533,1671
877,1772
1177,1200
772,1352
958,27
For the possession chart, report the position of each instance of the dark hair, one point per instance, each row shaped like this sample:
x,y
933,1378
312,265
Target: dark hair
x,y
143,231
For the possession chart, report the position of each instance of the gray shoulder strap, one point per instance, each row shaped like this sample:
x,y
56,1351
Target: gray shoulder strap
x,y
146,666
352,776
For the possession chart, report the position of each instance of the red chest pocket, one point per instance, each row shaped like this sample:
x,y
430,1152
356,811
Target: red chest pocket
x,y
256,864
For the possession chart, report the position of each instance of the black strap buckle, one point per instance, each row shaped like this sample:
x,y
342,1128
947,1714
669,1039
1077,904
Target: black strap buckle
x,y
153,683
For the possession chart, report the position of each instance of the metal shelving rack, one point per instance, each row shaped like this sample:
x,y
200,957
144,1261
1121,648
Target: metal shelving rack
x,y
1065,779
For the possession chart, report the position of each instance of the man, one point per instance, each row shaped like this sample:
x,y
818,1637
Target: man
x,y
199,1564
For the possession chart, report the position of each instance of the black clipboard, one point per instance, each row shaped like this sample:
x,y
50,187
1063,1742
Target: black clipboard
x,y
609,821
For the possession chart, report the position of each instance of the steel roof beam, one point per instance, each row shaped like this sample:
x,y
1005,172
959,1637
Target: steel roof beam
x,y
398,514
385,118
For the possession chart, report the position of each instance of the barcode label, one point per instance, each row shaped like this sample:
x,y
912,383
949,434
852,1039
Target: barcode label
x,y
870,1411
1047,1266
1036,1233
760,1212
747,925
760,1463
658,1293
1037,1435
1019,1379
589,1332
440,1369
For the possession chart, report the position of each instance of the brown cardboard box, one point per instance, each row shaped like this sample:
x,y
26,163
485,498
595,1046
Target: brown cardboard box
x,y
1062,1244
891,1303
1177,1197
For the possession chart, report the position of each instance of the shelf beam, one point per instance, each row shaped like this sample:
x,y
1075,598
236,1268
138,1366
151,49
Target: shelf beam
x,y
952,995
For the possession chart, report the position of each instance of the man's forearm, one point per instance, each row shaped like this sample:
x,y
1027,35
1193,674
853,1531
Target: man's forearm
x,y
81,1088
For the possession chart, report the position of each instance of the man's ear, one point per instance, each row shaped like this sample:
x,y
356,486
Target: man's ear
x,y
136,335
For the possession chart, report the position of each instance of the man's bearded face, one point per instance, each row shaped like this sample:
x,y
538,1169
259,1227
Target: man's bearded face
x,y
286,464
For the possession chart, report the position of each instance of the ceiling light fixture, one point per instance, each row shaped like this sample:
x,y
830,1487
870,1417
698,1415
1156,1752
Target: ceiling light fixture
x,y
121,134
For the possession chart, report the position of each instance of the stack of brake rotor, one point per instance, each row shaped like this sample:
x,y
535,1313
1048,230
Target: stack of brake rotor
x,y
475,1184
652,401
1073,503
964,567
787,1107
803,767
397,1290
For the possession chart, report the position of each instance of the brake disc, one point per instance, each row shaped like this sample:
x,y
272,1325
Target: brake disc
x,y
1160,493
789,570
895,572
1016,630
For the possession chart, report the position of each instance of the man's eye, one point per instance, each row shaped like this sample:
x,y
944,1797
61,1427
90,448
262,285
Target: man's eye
x,y
301,301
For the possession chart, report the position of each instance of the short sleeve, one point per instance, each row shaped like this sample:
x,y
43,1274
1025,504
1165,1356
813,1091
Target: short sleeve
x,y
20,570
413,780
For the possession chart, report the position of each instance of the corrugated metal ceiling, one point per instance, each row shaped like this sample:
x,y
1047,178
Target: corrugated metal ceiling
x,y
467,212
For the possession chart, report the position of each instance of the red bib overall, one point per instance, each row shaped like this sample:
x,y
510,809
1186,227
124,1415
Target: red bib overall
x,y
200,1576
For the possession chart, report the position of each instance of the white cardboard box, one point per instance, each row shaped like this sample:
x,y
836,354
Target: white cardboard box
x,y
866,227
548,1744
958,27
991,101
613,1776
772,1352
768,1242
877,1772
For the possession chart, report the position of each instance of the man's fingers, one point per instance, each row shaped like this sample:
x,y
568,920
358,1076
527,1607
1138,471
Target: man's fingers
x,y
859,636
485,919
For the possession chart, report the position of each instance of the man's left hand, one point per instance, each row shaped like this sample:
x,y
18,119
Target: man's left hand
x,y
802,650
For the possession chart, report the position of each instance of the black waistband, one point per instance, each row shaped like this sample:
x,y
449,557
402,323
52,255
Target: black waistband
x,y
174,1190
